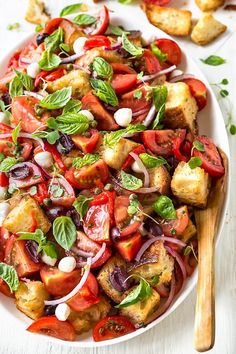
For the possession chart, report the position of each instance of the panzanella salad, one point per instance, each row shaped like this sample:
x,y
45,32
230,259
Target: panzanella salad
x,y
101,169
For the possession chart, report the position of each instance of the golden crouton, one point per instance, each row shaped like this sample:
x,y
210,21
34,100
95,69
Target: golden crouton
x,y
161,264
78,80
104,278
189,232
109,56
85,320
191,186
207,29
175,22
140,311
116,156
160,177
181,107
30,297
36,13
209,5
23,216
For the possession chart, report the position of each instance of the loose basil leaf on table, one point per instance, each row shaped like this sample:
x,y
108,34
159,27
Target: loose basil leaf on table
x,y
139,293
104,91
9,275
102,68
64,231
214,60
81,205
110,139
130,47
70,9
164,207
86,160
130,182
57,99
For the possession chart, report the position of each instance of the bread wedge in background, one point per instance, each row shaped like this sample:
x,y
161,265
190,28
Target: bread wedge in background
x,y
209,5
207,29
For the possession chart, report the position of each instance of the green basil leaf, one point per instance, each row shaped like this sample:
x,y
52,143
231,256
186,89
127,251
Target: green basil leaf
x,y
70,9
213,60
26,80
105,92
15,87
50,250
57,99
15,133
7,164
102,68
134,204
130,47
72,106
158,53
164,207
116,30
152,161
160,94
49,61
130,182
110,139
2,156
56,191
194,162
159,117
198,145
37,236
9,275
87,159
125,1
81,205
138,94
52,42
3,107
84,20
65,47
64,231
224,93
224,82
232,129
38,28
72,123
138,293
51,137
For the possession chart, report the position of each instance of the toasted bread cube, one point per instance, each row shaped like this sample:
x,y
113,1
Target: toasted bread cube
x,y
36,13
189,232
190,186
104,277
23,216
116,156
30,297
209,5
181,107
85,320
77,79
161,264
207,29
139,312
160,177
109,56
175,22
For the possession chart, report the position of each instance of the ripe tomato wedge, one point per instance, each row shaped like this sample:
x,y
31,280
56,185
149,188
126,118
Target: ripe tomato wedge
x,y
129,247
87,144
103,22
86,296
160,142
58,283
149,63
176,227
52,25
97,223
54,75
4,180
23,111
170,48
198,90
4,289
97,41
42,192
211,159
123,83
61,192
119,68
112,327
103,117
51,326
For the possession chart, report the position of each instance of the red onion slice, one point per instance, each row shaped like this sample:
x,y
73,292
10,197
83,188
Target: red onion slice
x,y
23,135
169,239
162,72
142,168
181,77
179,261
81,253
96,257
72,58
141,111
26,60
147,190
33,94
75,290
144,247
151,114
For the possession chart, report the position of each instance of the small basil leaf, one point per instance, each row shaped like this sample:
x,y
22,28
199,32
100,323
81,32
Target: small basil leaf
x,y
102,68
130,182
50,250
160,116
198,145
84,20
64,231
134,204
15,133
87,159
70,9
7,164
81,205
9,275
110,139
52,42
49,61
105,92
130,47
137,94
164,207
15,87
138,293
152,161
73,106
194,162
224,82
158,53
213,60
160,94
116,30
52,137
26,80
37,236
57,99
72,123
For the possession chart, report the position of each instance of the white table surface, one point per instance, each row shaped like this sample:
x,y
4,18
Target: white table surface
x,y
175,334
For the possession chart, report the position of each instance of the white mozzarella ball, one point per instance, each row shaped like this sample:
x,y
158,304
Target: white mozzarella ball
x,y
4,211
148,38
62,312
67,264
33,70
78,45
44,159
4,118
3,192
48,260
87,114
123,117
135,167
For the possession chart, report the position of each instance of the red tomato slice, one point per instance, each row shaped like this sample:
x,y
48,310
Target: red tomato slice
x,y
149,63
97,41
160,142
5,80
4,180
30,180
198,90
4,128
13,61
86,296
171,48
32,53
190,261
87,144
61,186
211,159
176,144
123,83
4,289
58,283
97,223
176,227
27,147
42,192
56,155
23,111
54,75
52,25
4,236
119,68
129,247
103,117
51,326
103,22
112,327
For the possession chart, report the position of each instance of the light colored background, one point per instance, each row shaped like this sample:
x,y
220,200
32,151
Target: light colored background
x,y
175,334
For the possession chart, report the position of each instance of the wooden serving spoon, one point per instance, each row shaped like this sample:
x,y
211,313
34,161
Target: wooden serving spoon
x,y
207,225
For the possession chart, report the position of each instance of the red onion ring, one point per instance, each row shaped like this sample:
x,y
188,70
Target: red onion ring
x,y
151,114
81,253
96,257
75,290
72,58
33,94
139,191
168,239
26,60
144,247
142,111
179,261
162,72
181,77
142,168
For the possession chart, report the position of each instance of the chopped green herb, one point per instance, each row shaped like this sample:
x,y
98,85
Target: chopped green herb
x,y
194,162
199,145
